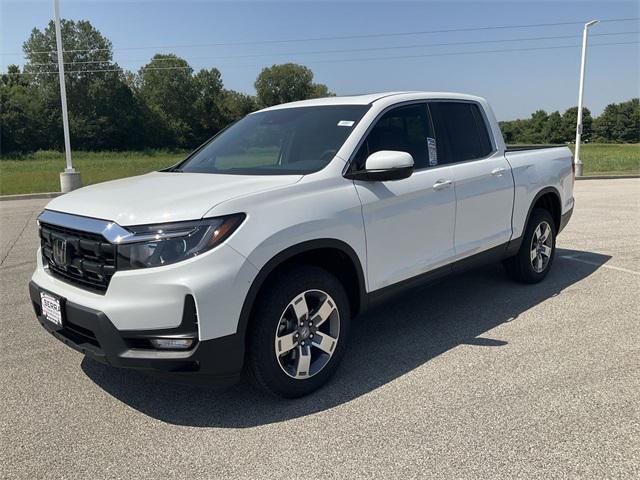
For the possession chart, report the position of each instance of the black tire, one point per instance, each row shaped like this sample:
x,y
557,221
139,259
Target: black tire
x,y
521,266
263,364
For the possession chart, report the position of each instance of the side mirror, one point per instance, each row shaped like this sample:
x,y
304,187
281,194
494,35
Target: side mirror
x,y
385,165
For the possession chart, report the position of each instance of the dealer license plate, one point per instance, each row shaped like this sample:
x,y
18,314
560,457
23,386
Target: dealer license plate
x,y
51,308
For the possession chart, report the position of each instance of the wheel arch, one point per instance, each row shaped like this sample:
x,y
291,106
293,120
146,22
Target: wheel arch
x,y
311,252
548,198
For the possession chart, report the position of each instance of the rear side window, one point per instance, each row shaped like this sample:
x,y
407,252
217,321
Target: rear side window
x,y
404,129
461,131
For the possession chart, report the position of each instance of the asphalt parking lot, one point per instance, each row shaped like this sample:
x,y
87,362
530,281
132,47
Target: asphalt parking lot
x,y
476,377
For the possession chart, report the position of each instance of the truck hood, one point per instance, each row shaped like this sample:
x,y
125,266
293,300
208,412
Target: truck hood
x,y
163,197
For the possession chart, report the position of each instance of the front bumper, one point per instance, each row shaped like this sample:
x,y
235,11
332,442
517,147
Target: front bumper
x,y
218,361
152,298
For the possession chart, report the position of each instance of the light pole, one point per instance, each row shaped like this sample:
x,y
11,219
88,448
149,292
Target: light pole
x,y
583,62
69,179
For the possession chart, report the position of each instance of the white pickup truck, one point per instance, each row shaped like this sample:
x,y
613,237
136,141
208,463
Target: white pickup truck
x,y
257,251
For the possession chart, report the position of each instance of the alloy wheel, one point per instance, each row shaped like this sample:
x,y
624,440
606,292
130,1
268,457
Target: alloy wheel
x,y
307,334
541,247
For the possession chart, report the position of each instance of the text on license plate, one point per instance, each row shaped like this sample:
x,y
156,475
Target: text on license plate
x,y
51,308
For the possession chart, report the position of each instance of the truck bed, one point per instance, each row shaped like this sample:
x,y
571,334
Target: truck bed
x,y
535,168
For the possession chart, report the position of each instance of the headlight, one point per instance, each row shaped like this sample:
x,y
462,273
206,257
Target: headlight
x,y
157,245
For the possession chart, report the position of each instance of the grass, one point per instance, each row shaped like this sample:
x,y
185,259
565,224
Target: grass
x,y
38,172
610,159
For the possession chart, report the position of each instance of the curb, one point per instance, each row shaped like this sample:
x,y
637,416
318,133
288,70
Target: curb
x,y
606,177
29,196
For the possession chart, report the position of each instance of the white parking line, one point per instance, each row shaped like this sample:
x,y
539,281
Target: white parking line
x,y
620,269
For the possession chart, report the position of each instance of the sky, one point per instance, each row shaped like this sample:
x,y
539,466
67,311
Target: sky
x,y
253,35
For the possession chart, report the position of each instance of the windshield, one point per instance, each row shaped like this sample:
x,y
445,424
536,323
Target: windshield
x,y
286,141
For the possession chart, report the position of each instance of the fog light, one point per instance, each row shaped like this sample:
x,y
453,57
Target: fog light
x,y
172,343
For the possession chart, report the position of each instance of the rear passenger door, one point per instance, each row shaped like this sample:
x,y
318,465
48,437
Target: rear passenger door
x,y
408,223
482,176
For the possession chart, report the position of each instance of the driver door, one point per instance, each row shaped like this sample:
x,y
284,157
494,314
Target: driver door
x,y
409,223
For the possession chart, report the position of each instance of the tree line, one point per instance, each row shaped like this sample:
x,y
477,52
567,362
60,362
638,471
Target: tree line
x,y
166,104
618,123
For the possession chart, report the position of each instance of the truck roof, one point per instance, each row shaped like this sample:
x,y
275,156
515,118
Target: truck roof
x,y
370,98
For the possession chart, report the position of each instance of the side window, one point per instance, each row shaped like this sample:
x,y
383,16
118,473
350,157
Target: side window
x,y
463,128
405,129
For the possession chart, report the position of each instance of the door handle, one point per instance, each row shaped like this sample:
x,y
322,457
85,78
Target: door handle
x,y
441,184
498,172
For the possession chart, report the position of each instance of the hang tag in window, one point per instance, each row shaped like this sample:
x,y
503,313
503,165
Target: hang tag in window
x,y
433,151
346,123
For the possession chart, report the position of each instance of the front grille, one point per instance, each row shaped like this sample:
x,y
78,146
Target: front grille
x,y
90,260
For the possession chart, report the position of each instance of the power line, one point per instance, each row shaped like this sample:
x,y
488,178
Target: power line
x,y
353,60
97,71
317,52
470,53
342,37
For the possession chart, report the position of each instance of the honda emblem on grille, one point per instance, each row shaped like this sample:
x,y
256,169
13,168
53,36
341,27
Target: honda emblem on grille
x,y
60,252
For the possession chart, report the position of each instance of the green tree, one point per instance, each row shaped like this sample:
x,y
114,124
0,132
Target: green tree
x,y
534,132
552,130
628,130
168,90
320,90
605,125
512,131
569,121
235,105
19,109
544,128
102,111
620,122
209,96
288,82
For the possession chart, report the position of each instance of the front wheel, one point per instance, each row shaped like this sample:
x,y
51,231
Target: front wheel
x,y
535,257
298,331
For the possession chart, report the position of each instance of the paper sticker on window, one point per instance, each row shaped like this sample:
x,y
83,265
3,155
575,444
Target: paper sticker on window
x,y
433,151
346,123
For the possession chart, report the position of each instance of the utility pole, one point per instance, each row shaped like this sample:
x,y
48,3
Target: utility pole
x,y
69,179
583,62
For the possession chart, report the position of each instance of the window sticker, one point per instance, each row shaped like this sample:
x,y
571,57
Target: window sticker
x,y
433,151
346,123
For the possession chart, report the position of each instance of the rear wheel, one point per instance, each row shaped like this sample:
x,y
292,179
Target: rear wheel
x,y
535,257
298,331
